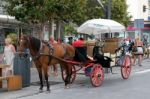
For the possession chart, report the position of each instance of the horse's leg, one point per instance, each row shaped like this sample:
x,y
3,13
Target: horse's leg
x,y
55,70
41,78
64,67
45,69
68,74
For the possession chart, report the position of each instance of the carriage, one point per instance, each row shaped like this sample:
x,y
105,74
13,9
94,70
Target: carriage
x,y
45,55
95,68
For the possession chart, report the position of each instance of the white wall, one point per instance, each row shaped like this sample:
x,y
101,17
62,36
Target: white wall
x,y
135,9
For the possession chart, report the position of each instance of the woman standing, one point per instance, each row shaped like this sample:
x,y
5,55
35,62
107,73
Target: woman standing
x,y
139,53
9,54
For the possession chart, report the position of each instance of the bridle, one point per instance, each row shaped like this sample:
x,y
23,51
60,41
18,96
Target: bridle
x,y
39,53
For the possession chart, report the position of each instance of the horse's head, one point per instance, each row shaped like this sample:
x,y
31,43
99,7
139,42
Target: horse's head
x,y
23,43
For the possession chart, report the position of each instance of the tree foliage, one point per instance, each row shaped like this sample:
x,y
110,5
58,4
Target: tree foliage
x,y
75,11
43,10
119,12
91,10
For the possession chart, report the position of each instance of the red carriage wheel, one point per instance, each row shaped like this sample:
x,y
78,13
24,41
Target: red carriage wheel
x,y
73,76
97,75
126,68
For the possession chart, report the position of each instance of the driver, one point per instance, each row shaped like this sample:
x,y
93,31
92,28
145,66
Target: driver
x,y
81,50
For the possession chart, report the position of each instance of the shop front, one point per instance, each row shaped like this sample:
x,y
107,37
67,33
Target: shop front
x,y
134,32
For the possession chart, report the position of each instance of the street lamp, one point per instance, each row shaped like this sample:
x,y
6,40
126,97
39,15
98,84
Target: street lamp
x,y
106,8
107,12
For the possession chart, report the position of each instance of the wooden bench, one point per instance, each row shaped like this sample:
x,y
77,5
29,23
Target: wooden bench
x,y
14,82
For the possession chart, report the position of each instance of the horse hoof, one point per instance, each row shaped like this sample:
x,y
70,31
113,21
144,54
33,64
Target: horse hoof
x,y
48,90
67,87
40,91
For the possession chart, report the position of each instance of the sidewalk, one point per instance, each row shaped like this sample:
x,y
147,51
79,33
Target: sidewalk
x,y
58,84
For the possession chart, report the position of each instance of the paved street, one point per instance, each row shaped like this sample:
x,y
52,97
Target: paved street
x,y
114,87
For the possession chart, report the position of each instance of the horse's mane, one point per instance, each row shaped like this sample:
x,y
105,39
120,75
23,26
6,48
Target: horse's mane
x,y
35,43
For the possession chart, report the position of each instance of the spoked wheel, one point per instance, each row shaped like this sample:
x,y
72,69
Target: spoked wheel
x,y
97,75
126,68
73,76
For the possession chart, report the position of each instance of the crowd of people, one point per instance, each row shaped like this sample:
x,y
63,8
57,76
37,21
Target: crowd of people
x,y
140,50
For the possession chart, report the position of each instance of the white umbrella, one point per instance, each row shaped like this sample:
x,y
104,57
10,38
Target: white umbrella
x,y
97,26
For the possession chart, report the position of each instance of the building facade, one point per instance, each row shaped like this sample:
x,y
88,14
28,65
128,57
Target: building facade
x,y
135,9
140,21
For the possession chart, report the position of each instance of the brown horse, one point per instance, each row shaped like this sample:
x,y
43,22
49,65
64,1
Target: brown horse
x,y
45,55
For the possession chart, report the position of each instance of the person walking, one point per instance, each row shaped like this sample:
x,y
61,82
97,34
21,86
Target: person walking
x,y
8,56
52,42
139,53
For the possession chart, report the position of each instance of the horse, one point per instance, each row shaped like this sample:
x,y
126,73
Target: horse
x,y
44,55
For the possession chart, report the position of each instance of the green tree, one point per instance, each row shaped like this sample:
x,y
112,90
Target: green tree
x,y
119,12
28,11
74,11
32,11
90,9
70,29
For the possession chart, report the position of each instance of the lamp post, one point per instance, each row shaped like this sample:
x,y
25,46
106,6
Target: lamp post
x,y
106,8
107,11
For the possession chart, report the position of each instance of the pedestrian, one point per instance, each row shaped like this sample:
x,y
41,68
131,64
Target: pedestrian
x,y
59,41
145,46
139,53
145,43
70,40
52,42
8,56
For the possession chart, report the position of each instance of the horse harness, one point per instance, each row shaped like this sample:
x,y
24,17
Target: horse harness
x,y
40,51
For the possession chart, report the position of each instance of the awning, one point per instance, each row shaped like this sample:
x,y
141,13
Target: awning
x,y
132,28
8,19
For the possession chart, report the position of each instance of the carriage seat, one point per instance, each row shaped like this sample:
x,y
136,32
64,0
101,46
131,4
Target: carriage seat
x,y
100,58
